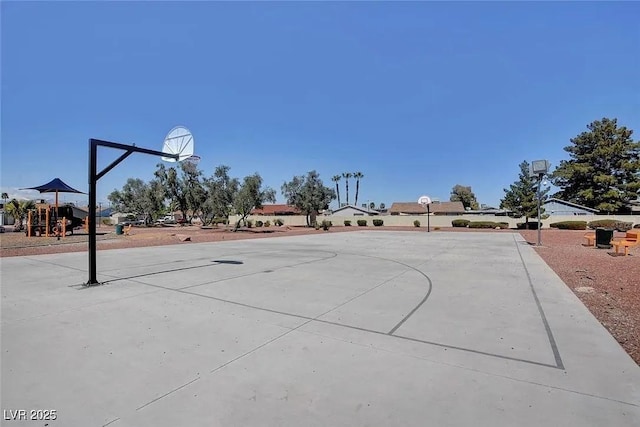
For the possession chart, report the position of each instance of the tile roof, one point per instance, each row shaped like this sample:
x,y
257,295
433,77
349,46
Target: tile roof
x,y
415,208
363,210
276,210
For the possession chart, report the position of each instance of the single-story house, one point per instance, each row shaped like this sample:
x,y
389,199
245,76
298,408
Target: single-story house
x,y
276,210
555,206
435,208
351,210
487,210
634,206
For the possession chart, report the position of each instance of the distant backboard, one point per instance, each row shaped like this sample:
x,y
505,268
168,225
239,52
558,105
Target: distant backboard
x,y
424,200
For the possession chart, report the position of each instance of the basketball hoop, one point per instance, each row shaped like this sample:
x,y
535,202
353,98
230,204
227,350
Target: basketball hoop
x,y
179,141
194,160
425,201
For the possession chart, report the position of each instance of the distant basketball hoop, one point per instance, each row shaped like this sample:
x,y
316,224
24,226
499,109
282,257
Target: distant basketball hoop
x,y
425,201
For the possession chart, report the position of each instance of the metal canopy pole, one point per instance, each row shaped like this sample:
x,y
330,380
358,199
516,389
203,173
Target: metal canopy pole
x,y
94,176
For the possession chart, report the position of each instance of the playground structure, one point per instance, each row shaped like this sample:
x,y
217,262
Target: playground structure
x,y
51,221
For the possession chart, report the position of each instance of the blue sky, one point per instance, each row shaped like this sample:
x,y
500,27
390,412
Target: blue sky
x,y
418,96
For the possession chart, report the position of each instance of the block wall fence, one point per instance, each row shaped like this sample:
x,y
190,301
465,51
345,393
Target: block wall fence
x,y
434,220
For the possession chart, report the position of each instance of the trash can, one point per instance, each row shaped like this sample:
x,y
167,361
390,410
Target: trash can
x,y
603,238
118,228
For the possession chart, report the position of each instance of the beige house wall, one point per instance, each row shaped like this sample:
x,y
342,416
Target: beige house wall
x,y
434,220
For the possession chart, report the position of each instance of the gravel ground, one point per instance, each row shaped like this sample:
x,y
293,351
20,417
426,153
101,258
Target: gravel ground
x,y
608,285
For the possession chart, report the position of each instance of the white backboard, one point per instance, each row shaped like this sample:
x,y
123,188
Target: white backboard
x,y
178,141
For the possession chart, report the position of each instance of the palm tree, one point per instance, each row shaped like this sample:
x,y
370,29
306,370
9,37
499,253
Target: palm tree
x,y
381,206
18,210
346,176
358,176
336,179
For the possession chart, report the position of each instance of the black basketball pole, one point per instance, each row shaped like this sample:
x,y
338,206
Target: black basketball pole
x,y
94,176
93,180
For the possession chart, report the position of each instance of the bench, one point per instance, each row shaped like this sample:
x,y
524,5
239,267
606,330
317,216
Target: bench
x,y
631,238
591,239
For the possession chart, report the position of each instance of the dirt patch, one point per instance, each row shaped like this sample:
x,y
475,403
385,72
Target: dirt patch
x,y
17,244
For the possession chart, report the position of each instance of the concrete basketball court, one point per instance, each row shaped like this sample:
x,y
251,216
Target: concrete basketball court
x,y
368,328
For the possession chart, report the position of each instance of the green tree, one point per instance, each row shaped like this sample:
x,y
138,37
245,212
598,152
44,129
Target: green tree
x,y
521,196
308,194
336,179
461,193
381,206
18,210
604,167
221,190
154,201
250,195
195,193
173,190
346,177
139,198
358,176
372,205
184,187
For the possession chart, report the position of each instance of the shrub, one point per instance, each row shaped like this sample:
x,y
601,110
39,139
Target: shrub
x,y
249,223
503,225
436,228
267,223
347,222
531,225
259,223
416,223
483,224
326,225
569,225
106,221
602,223
220,220
623,226
610,223
637,225
460,222
378,222
362,223
278,222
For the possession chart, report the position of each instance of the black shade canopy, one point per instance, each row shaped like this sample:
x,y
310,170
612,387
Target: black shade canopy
x,y
56,185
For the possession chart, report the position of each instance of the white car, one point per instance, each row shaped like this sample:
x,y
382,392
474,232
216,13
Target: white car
x,y
168,219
